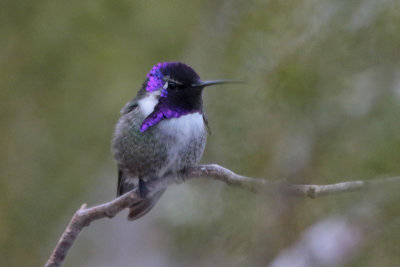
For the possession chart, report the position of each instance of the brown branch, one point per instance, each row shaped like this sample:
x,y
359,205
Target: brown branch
x,y
84,216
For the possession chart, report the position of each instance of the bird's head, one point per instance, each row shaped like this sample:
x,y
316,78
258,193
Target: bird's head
x,y
171,90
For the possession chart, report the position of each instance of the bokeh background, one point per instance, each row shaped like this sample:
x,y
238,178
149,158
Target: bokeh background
x,y
321,105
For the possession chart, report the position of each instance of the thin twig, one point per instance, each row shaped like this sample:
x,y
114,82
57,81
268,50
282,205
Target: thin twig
x,y
84,216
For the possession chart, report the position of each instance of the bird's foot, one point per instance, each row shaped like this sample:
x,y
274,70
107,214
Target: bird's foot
x,y
143,189
183,174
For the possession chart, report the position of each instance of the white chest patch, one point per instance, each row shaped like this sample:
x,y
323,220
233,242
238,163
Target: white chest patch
x,y
188,134
185,127
147,104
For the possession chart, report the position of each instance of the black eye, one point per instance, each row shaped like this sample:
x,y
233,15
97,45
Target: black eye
x,y
172,85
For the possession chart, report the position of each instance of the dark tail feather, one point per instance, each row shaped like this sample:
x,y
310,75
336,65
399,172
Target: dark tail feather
x,y
142,207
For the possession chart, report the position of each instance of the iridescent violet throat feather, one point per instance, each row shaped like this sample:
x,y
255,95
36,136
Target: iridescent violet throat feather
x,y
162,131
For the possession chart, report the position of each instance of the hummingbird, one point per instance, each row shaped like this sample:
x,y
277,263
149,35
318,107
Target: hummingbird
x,y
162,131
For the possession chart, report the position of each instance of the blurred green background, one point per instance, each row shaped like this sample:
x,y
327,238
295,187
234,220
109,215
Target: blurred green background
x,y
321,105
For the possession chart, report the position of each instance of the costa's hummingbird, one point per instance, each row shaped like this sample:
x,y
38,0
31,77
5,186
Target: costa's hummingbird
x,y
161,131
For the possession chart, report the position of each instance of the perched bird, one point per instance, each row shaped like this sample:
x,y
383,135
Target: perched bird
x,y
161,131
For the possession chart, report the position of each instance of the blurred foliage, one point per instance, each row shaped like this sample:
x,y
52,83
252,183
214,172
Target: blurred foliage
x,y
321,105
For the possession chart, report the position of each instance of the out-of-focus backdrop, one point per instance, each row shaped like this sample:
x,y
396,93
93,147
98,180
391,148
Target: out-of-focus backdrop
x,y
321,105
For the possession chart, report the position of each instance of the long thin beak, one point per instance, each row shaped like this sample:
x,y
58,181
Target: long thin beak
x,y
214,82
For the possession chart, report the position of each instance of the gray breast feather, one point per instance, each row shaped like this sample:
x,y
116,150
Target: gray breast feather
x,y
169,146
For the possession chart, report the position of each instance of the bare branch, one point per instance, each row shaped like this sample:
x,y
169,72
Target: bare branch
x,y
84,216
